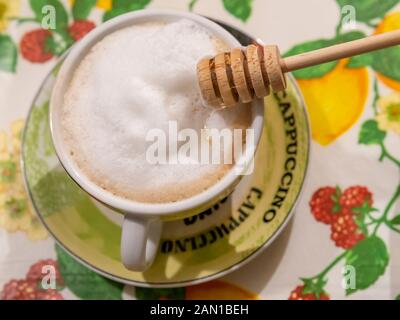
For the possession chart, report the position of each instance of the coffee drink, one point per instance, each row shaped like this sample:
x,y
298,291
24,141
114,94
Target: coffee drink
x,y
133,81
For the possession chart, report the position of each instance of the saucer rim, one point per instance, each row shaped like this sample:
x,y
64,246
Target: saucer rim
x,y
216,275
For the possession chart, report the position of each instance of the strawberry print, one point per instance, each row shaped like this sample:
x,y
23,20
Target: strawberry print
x,y
33,46
36,274
19,290
299,293
324,204
80,28
355,196
49,295
344,230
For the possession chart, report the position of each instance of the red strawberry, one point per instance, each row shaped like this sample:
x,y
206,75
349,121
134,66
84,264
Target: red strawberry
x,y
80,28
33,46
36,272
355,197
49,295
324,204
299,294
344,230
19,290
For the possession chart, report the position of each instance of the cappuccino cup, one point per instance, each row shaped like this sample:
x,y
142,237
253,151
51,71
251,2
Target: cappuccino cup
x,y
121,88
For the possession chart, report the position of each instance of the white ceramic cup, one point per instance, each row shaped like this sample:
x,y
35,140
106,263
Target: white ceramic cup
x,y
142,226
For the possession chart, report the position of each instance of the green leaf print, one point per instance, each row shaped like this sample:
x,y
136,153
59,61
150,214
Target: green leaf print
x,y
395,221
114,12
191,4
312,72
349,36
371,134
369,258
123,6
387,62
36,167
239,8
320,70
82,8
8,54
368,10
133,4
58,43
361,61
85,283
56,191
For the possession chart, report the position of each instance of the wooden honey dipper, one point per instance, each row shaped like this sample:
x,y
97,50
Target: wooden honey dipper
x,y
244,74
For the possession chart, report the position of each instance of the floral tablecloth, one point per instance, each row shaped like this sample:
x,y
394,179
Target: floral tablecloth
x,y
343,240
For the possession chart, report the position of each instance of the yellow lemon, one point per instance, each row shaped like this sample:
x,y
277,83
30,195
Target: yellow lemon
x,y
218,290
101,4
335,101
104,4
389,23
8,9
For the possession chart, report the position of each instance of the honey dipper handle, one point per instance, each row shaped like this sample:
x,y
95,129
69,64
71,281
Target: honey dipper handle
x,y
244,74
340,51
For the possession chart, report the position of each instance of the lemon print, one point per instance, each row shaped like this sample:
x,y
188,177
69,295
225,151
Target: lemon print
x,y
8,9
218,290
389,23
101,4
335,101
104,4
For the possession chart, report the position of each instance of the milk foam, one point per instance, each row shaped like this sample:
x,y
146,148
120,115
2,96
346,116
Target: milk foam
x,y
135,80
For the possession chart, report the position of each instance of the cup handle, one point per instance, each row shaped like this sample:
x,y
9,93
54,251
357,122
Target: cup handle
x,y
139,242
